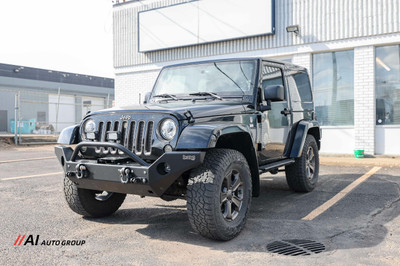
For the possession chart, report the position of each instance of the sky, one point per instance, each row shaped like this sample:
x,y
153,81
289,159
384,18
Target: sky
x,y
64,35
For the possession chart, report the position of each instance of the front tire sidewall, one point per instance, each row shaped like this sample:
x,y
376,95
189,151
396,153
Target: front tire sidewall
x,y
235,226
204,194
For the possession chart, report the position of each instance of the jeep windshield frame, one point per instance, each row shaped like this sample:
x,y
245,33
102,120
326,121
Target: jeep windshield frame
x,y
231,80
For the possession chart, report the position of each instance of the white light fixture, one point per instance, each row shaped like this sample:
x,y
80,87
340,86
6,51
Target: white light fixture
x,y
293,28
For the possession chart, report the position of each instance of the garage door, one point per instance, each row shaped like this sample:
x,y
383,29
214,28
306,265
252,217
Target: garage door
x,y
62,115
92,104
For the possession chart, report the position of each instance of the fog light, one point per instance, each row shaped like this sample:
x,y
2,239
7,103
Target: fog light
x,y
163,168
167,148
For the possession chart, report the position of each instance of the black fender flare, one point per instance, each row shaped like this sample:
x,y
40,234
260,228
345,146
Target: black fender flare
x,y
302,128
205,136
69,135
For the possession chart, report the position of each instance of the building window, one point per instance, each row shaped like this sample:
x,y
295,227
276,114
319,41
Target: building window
x,y
333,83
387,90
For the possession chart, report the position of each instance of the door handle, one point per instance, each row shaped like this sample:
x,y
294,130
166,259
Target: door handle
x,y
286,112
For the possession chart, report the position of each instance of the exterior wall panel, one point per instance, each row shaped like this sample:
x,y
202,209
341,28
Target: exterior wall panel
x,y
319,21
133,84
325,25
386,140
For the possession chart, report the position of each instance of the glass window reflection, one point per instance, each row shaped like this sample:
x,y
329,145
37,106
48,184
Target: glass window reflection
x,y
333,83
387,89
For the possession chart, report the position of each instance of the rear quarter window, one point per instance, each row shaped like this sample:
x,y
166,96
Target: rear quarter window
x,y
302,83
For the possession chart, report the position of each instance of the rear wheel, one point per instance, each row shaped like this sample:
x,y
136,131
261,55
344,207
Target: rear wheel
x,y
302,176
91,203
219,194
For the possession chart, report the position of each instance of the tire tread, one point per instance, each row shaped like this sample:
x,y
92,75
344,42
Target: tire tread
x,y
82,201
295,173
201,193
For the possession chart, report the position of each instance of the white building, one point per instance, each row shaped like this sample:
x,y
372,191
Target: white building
x,y
351,49
44,101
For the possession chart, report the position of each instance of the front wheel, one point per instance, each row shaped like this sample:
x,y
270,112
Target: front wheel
x,y
219,194
91,203
302,176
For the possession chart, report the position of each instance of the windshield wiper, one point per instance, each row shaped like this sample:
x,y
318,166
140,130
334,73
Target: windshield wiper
x,y
205,93
166,95
226,75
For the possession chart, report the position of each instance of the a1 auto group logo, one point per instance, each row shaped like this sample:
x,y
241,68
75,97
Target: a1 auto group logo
x,y
34,240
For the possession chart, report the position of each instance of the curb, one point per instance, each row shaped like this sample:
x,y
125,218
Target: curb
x,y
346,161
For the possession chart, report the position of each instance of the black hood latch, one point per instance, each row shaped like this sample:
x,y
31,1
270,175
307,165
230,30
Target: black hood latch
x,y
189,116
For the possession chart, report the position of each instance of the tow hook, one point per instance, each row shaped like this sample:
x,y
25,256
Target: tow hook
x,y
81,171
125,174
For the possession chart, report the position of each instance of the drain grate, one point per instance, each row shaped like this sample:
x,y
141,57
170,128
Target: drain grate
x,y
295,247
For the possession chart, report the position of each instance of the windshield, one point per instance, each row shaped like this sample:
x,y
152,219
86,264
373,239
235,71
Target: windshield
x,y
224,78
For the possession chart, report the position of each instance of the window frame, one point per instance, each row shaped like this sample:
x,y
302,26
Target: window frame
x,y
284,81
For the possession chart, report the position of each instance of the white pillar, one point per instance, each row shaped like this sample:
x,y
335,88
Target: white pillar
x,y
364,98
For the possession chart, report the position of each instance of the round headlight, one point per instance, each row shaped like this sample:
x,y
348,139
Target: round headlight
x,y
168,129
90,126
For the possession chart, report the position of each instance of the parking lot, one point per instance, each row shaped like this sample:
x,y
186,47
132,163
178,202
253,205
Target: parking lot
x,y
354,213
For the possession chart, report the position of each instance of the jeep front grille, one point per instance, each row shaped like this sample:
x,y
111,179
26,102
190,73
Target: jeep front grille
x,y
136,136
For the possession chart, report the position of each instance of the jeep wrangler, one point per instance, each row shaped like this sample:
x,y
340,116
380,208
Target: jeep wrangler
x,y
205,134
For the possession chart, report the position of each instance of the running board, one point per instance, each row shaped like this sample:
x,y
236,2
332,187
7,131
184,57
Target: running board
x,y
275,165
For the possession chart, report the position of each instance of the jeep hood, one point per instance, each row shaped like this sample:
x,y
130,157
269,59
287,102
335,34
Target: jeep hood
x,y
178,109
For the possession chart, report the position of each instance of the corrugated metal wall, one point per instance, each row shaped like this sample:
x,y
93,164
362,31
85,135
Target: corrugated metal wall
x,y
319,21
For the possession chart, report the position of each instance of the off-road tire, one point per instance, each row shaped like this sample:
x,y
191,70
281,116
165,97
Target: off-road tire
x,y
84,202
298,174
208,186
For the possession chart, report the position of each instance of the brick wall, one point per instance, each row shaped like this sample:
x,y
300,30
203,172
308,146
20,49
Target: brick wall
x,y
128,86
364,98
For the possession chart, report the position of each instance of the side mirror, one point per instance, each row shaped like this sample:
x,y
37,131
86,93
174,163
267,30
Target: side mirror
x,y
147,97
274,93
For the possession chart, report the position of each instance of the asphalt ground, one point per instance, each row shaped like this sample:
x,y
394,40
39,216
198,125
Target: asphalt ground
x,y
354,213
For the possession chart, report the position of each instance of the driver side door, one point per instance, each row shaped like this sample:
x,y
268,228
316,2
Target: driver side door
x,y
275,123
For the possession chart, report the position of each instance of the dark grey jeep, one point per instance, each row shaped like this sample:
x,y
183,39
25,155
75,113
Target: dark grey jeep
x,y
205,134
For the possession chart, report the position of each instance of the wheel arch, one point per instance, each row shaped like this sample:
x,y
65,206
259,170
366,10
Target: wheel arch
x,y
233,136
242,142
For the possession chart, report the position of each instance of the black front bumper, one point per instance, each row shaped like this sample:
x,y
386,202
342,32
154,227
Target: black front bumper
x,y
138,177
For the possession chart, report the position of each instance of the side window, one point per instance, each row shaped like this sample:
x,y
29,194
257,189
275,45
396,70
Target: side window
x,y
271,76
303,86
299,88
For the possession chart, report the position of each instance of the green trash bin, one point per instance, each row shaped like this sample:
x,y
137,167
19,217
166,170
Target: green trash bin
x,y
359,154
